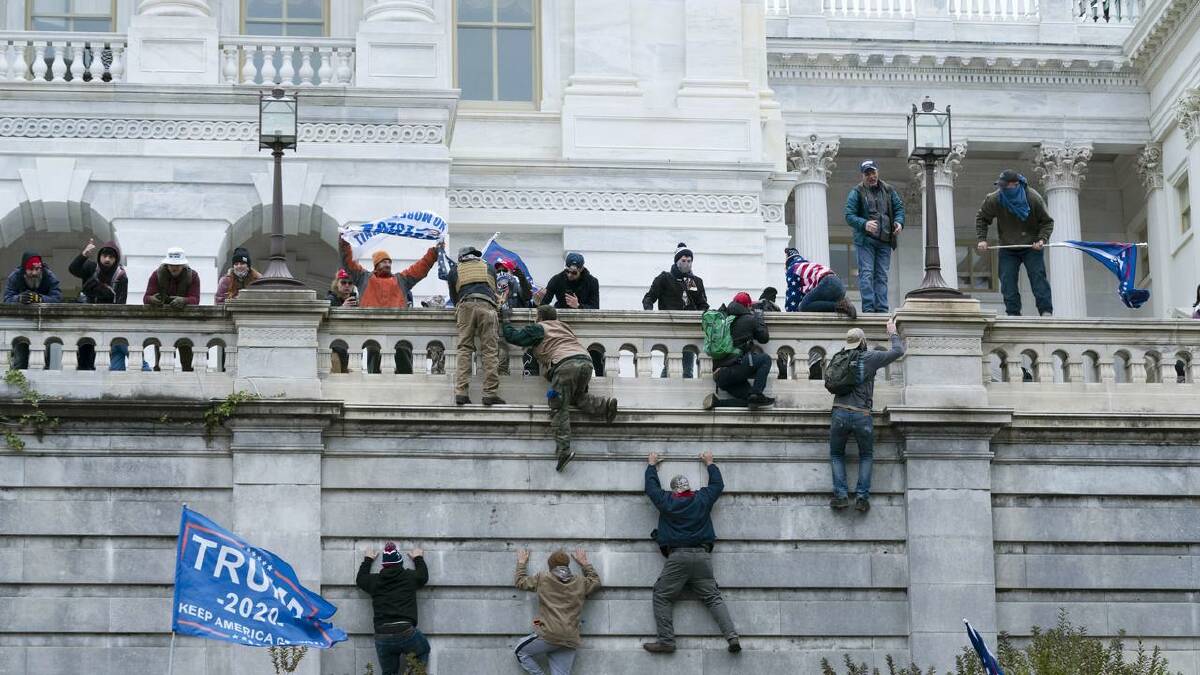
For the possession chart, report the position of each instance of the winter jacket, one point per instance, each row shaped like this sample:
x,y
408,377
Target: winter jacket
x,y
230,285
15,286
684,520
858,212
747,329
586,289
165,286
862,396
1011,230
393,591
376,290
559,603
553,342
667,290
102,286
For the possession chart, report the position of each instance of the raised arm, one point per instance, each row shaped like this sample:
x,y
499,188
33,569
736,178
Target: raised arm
x,y
420,269
521,578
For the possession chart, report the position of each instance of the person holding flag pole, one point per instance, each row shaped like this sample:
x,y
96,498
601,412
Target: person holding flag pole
x,y
1022,221
1120,259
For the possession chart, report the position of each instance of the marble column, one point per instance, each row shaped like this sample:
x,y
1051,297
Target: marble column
x,y
1158,228
944,173
812,159
1188,117
603,49
173,42
1062,167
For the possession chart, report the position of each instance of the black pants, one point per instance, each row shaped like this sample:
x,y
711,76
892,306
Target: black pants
x,y
737,379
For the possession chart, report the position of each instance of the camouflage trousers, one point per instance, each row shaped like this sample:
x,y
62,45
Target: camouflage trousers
x,y
571,379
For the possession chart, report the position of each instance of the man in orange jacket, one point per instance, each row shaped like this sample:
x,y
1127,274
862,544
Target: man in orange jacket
x,y
381,288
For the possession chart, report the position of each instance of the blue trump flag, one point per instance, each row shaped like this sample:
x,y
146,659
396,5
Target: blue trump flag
x,y
494,251
226,589
1121,260
990,666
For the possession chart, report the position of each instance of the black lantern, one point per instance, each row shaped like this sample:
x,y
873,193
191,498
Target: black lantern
x,y
277,130
928,142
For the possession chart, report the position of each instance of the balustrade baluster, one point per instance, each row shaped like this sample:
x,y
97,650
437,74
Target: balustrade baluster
x,y
306,69
229,67
166,359
287,67
356,362
4,49
612,364
95,66
642,366
1015,374
69,358
1166,369
116,71
346,67
268,65
674,365
76,69
249,69
37,356
326,71
18,66
39,63
58,69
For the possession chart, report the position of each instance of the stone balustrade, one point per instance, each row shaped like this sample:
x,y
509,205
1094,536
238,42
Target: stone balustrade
x,y
57,58
291,61
890,9
995,10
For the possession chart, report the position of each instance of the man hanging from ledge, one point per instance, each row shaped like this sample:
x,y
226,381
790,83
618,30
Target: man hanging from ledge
x,y
379,287
685,535
393,594
564,361
561,595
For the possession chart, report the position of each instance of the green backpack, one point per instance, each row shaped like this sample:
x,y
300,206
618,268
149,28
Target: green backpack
x,y
718,338
845,371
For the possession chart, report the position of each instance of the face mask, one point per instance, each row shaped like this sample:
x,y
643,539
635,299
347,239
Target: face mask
x,y
684,266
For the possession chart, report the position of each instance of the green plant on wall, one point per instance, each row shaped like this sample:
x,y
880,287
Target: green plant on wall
x,y
286,659
34,416
216,415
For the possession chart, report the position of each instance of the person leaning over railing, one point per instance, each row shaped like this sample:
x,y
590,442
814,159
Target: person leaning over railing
x,y
173,285
342,293
237,278
104,283
30,283
561,595
678,289
574,288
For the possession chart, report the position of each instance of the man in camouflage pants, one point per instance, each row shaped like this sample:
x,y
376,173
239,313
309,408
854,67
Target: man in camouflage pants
x,y
566,363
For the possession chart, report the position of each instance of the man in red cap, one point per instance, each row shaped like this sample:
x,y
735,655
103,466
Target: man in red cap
x,y
30,284
744,373
393,594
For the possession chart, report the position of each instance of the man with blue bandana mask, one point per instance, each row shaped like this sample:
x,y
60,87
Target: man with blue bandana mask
x,y
1021,220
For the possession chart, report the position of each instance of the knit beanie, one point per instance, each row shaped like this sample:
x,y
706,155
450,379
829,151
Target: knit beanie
x,y
682,250
769,293
574,259
378,257
241,255
391,556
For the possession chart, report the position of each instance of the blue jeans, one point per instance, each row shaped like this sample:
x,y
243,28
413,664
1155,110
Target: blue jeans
x,y
846,422
391,648
116,356
874,262
824,296
1035,268
736,378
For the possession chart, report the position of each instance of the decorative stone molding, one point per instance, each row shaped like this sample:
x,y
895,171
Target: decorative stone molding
x,y
1062,165
1187,114
213,130
1042,74
813,158
563,200
174,8
399,10
1159,20
772,213
944,346
290,336
1149,166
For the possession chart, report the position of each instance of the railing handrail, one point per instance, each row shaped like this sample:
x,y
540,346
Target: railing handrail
x,y
59,36
275,41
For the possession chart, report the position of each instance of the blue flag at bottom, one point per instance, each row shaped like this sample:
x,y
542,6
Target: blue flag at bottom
x,y
990,665
1121,260
226,589
494,251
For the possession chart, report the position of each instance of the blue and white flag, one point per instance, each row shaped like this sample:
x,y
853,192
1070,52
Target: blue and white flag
x,y
1121,260
990,665
226,589
424,225
494,252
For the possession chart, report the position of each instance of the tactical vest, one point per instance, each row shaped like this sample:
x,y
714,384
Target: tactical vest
x,y
558,342
474,272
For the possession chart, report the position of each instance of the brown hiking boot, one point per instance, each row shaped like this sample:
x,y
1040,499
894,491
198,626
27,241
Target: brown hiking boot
x,y
843,306
658,648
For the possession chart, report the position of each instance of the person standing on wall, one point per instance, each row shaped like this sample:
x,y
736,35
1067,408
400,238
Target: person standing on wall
x,y
1021,219
875,212
678,289
472,285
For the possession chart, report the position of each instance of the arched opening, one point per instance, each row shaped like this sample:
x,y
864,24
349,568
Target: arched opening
x,y
373,357
183,355
57,233
404,358
628,361
816,363
596,351
691,362
435,358
312,241
216,355
1029,366
85,354
1059,361
339,357
660,362
997,362
54,350
1121,367
1091,367
785,358
118,354
1152,362
1183,367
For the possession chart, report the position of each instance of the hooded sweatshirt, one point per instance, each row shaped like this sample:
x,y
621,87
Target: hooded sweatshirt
x,y
393,591
683,519
101,285
47,288
559,603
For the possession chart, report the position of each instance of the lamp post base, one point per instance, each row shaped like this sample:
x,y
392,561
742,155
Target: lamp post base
x,y
934,286
277,275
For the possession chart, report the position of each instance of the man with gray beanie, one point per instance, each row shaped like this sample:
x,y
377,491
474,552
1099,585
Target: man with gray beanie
x,y
852,411
685,535
472,284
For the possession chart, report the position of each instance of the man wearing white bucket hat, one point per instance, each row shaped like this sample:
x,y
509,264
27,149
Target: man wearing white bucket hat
x,y
173,284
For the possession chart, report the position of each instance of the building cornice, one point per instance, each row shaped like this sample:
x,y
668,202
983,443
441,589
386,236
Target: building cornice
x,y
1158,22
213,130
950,74
579,200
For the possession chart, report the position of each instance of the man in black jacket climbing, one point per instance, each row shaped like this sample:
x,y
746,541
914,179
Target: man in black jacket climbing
x,y
393,594
745,374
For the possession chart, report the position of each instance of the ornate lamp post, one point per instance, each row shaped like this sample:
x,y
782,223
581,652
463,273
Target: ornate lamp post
x,y
929,142
277,130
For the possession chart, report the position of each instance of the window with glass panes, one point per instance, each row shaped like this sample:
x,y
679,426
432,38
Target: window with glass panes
x,y
843,258
85,16
975,269
496,58
1185,206
305,18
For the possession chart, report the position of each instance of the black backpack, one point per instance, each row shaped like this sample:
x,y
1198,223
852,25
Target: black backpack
x,y
845,371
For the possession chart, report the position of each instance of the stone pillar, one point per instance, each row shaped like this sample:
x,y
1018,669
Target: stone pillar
x,y
1158,229
812,160
946,424
944,173
1188,117
276,448
754,64
603,50
773,202
713,56
277,342
173,42
404,44
1062,166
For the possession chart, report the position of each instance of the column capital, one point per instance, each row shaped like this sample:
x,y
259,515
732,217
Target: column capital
x,y
1187,115
399,10
174,8
945,171
813,158
1149,166
1062,165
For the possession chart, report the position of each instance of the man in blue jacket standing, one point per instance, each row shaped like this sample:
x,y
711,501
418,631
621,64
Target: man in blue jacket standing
x,y
685,535
876,214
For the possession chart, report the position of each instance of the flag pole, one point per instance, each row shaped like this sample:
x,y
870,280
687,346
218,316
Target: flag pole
x,y
171,651
1053,243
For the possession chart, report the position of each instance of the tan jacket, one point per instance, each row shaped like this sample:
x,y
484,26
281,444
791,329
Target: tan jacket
x,y
558,342
559,604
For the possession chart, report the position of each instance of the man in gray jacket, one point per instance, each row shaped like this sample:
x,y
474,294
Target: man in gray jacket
x,y
852,415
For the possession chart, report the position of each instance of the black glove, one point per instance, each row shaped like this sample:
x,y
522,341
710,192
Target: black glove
x,y
25,297
178,302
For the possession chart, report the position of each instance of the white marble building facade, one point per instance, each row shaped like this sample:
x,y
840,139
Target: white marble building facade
x,y
614,127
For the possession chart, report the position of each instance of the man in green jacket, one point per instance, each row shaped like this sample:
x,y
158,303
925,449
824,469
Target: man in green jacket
x,y
564,361
561,595
1021,219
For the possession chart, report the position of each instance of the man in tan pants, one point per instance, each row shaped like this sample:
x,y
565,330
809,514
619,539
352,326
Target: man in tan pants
x,y
473,291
